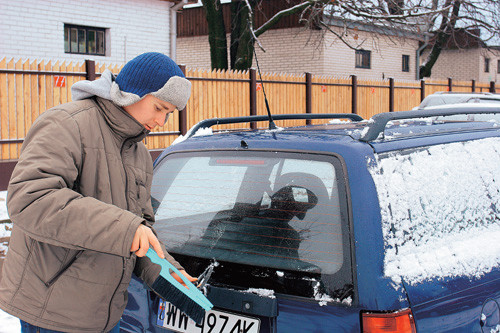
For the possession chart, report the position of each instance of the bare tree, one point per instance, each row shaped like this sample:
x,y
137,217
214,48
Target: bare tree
x,y
439,18
464,23
216,33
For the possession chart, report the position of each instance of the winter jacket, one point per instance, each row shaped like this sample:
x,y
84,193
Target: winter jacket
x,y
76,197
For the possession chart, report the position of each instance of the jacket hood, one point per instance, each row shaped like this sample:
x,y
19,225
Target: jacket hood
x,y
176,90
100,87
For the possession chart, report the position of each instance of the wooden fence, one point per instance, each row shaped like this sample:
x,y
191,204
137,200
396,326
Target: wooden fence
x,y
28,88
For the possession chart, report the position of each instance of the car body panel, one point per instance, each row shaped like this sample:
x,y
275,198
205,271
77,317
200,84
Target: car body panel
x,y
451,304
444,98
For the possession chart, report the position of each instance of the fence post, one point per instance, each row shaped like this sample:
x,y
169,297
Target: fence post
x,y
422,90
90,70
391,94
183,113
253,95
308,95
354,97
473,85
450,84
492,87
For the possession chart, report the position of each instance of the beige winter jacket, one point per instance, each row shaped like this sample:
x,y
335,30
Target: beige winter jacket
x,y
76,197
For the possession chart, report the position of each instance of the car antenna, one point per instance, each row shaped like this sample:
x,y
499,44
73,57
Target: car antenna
x,y
272,125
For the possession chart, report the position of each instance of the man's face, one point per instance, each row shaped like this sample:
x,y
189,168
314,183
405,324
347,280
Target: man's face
x,y
150,111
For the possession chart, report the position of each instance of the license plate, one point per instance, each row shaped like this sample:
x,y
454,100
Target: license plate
x,y
215,321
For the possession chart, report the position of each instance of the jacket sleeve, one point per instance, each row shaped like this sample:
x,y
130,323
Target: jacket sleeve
x,y
41,199
144,268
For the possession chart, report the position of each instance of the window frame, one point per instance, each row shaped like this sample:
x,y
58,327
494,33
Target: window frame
x,y
361,57
84,31
347,273
498,66
486,65
405,63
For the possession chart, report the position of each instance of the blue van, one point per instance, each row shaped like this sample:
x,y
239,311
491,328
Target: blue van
x,y
384,225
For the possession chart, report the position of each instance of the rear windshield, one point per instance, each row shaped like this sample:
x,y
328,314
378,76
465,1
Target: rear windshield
x,y
266,212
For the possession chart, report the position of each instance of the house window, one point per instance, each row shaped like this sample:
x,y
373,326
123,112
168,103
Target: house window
x,y
363,59
498,66
486,65
84,40
406,63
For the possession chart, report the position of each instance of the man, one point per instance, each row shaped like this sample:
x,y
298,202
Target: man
x,y
79,200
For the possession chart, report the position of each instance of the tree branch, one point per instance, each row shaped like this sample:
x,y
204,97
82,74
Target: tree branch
x,y
250,23
273,20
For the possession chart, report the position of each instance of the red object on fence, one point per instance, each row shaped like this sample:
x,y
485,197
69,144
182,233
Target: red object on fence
x,y
59,81
259,86
323,88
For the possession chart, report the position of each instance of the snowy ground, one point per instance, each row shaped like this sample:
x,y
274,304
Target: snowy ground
x,y
8,323
3,206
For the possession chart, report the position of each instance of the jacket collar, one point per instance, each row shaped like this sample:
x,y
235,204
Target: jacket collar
x,y
123,124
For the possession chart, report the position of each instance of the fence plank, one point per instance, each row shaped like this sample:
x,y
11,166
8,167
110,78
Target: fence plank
x,y
4,108
35,94
19,108
49,87
11,80
42,88
64,90
57,90
27,99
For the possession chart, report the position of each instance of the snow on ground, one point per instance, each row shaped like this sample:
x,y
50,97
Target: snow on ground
x,y
439,210
8,323
3,206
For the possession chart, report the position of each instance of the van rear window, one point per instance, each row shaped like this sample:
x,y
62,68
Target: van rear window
x,y
279,211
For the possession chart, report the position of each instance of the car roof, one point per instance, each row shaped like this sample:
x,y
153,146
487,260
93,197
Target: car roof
x,y
383,132
443,97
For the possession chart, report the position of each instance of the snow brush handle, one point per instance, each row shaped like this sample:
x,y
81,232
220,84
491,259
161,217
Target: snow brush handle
x,y
189,290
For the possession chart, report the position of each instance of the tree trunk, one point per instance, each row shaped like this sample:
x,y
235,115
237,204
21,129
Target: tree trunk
x,y
216,34
445,32
242,42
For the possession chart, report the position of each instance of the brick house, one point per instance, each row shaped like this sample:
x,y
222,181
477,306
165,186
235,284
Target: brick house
x,y
292,48
112,31
466,57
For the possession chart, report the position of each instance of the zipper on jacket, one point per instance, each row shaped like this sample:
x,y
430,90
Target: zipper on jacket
x,y
114,292
123,259
63,269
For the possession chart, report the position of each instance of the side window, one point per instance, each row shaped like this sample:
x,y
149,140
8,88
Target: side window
x,y
406,63
439,205
363,59
84,40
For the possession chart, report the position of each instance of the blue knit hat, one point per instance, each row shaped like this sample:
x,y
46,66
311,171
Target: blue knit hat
x,y
151,73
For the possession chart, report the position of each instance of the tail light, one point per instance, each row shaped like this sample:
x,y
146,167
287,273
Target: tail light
x,y
400,322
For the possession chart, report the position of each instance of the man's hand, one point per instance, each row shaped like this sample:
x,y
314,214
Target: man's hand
x,y
183,272
142,238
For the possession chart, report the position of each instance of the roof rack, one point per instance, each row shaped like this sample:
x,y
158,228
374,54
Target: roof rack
x,y
248,119
377,123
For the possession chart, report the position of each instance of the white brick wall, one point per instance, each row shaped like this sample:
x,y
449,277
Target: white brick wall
x,y
34,29
466,65
386,55
493,74
297,51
